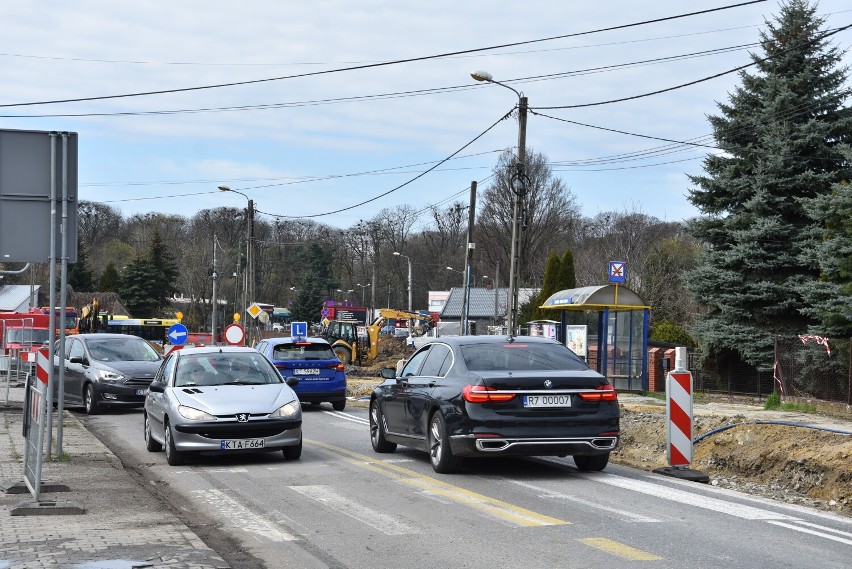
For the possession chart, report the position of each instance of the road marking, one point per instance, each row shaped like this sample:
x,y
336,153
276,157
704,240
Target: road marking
x,y
623,514
689,498
382,522
492,507
814,532
241,517
347,416
619,549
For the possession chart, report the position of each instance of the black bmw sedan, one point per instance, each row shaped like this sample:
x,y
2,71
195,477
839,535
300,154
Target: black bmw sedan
x,y
467,396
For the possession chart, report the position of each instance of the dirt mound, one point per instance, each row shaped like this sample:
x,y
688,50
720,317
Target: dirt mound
x,y
784,462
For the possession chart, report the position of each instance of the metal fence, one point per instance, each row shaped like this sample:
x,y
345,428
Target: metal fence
x,y
805,366
814,367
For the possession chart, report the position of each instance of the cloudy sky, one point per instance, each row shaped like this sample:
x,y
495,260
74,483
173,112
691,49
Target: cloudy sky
x,y
312,109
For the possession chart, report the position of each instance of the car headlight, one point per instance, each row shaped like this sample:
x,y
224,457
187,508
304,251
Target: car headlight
x,y
291,409
109,375
194,414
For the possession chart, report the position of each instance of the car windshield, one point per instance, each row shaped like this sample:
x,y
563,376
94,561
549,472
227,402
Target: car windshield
x,y
129,349
518,356
225,368
27,336
302,351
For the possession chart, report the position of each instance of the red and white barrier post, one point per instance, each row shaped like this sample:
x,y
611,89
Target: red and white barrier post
x,y
679,422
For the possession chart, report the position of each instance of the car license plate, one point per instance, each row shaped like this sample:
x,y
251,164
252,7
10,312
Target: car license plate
x,y
307,371
238,444
141,391
547,400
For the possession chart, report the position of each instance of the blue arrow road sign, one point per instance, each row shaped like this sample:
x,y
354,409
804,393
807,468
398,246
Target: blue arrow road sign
x,y
177,334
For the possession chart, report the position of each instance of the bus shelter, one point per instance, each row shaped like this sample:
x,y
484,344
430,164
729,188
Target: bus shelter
x,y
608,327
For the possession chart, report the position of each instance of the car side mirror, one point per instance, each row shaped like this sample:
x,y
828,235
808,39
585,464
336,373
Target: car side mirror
x,y
76,360
292,381
387,373
157,387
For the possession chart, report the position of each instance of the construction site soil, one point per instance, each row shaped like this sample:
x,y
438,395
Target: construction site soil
x,y
802,458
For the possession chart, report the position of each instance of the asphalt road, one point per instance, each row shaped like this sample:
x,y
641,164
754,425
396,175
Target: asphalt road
x,y
344,506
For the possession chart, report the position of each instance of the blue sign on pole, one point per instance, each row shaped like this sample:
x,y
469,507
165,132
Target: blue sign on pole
x,y
177,334
617,271
299,329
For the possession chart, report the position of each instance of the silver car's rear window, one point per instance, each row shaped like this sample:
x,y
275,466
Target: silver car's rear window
x,y
518,356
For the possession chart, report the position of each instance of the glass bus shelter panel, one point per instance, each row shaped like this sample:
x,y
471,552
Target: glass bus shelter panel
x,y
625,360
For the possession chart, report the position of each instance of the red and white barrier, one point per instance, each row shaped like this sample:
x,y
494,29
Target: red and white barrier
x,y
679,412
43,365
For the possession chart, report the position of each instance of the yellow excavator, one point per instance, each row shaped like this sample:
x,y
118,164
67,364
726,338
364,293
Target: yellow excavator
x,y
344,340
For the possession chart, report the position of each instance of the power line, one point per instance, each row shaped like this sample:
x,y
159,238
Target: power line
x,y
381,64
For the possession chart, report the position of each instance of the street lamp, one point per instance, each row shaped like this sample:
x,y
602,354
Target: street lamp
x,y
248,290
519,188
363,291
398,254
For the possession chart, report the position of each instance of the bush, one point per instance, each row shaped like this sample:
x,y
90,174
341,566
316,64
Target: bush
x,y
773,401
668,331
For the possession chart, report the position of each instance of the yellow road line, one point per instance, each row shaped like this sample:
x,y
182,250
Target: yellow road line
x,y
620,549
493,507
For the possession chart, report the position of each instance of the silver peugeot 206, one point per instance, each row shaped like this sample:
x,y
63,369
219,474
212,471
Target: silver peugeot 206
x,y
221,399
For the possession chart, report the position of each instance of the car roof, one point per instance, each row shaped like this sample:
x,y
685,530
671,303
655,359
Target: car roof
x,y
490,339
293,339
215,350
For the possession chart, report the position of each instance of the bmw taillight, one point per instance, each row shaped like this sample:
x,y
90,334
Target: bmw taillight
x,y
605,392
483,394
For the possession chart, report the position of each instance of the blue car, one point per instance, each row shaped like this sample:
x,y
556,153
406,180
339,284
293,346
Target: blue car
x,y
313,362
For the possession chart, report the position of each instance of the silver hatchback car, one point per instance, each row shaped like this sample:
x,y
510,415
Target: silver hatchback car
x,y
221,399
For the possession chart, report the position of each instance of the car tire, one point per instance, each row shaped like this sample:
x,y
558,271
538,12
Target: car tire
x,y
377,430
173,456
294,452
440,454
343,354
150,444
90,403
591,463
338,405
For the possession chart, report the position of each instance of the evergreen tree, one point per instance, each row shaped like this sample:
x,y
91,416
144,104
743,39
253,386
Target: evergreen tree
x,y
109,279
779,134
137,288
80,276
567,275
164,271
830,298
549,285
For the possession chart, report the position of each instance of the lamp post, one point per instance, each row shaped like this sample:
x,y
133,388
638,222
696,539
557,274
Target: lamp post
x,y
363,292
248,290
398,254
519,188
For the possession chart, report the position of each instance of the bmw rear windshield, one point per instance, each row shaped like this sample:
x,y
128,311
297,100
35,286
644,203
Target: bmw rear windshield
x,y
519,356
302,351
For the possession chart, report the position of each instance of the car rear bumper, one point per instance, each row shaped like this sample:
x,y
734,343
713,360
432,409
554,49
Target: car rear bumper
x,y
322,396
469,445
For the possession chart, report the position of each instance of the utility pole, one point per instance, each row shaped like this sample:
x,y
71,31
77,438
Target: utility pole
x,y
213,300
250,267
468,259
519,189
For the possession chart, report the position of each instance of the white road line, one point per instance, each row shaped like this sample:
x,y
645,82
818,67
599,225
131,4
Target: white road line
x,y
812,532
689,498
347,416
382,522
241,517
823,528
623,514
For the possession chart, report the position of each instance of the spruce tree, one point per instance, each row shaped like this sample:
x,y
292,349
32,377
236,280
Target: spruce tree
x,y
780,133
80,277
567,274
109,279
164,271
830,297
137,288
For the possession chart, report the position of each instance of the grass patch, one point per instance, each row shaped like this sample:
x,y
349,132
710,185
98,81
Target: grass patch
x,y
655,395
773,403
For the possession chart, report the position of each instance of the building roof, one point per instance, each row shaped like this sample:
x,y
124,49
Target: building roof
x,y
481,302
16,298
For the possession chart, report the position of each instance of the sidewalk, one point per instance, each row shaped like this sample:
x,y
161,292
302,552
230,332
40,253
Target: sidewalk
x,y
122,526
